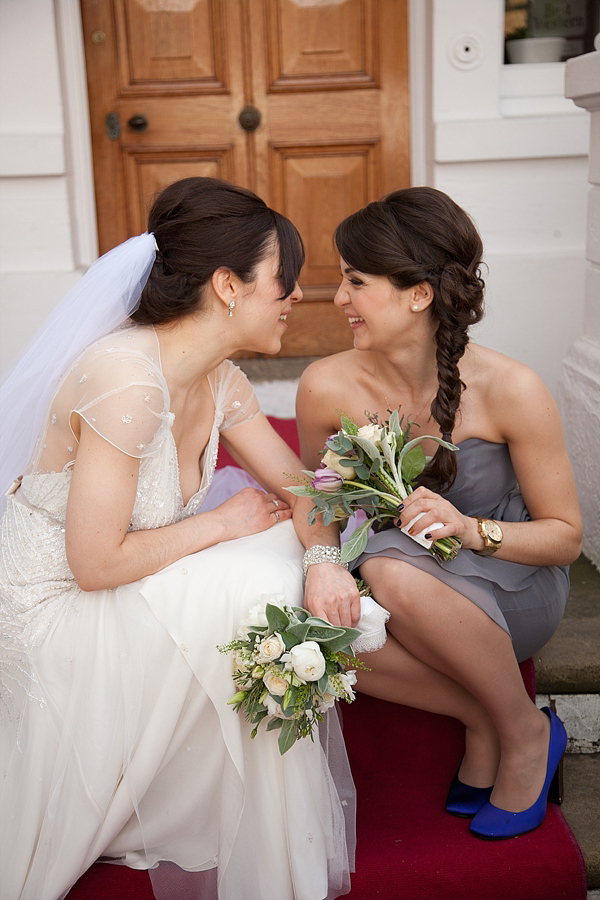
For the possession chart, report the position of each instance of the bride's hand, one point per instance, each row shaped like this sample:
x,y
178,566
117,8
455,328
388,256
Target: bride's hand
x,y
436,509
331,593
250,511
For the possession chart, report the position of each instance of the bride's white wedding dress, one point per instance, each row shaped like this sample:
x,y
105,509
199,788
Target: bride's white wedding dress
x,y
116,737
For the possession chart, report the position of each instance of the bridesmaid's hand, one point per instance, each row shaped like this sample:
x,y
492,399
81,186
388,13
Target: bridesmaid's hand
x,y
436,509
331,593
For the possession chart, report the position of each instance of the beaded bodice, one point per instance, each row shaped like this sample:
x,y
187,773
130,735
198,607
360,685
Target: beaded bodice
x,y
35,578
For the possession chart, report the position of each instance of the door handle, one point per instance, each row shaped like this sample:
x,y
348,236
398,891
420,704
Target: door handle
x,y
138,122
249,118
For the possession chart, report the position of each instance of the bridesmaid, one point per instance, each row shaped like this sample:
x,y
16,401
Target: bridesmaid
x,y
411,287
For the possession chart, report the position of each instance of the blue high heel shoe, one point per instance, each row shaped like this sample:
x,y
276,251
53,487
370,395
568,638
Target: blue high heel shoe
x,y
495,824
464,799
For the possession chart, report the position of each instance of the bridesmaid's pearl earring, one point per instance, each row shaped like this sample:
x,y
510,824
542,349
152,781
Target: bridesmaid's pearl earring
x,y
416,308
231,306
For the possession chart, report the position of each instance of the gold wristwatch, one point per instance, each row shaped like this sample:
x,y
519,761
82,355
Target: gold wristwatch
x,y
491,533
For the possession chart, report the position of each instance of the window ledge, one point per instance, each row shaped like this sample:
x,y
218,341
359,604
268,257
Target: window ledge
x,y
518,137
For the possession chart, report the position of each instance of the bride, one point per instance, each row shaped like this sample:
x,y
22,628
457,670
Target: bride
x,y
117,741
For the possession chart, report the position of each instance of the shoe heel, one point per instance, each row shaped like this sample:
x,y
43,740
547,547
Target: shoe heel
x,y
557,787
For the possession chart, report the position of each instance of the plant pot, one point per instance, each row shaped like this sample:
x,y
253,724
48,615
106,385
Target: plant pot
x,y
535,50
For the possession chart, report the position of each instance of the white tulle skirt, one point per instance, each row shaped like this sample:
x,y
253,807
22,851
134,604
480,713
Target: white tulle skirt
x,y
135,755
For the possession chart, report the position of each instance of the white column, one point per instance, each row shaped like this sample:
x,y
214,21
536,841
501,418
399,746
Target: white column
x,y
579,387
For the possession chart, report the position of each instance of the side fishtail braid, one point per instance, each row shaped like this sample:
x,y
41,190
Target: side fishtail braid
x,y
457,304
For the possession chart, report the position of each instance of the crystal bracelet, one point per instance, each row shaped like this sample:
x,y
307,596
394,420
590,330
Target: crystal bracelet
x,y
320,553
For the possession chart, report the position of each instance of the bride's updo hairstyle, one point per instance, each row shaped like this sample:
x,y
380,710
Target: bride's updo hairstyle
x,y
201,224
415,235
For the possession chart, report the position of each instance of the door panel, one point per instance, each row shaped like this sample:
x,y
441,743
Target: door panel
x,y
174,48
147,172
342,178
329,79
321,47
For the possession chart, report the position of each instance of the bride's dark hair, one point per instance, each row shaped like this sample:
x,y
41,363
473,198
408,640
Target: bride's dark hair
x,y
201,224
421,235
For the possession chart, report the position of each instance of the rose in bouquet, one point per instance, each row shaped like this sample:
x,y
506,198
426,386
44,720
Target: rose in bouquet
x,y
291,667
371,468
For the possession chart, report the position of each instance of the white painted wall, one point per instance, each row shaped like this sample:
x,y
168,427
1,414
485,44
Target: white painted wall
x,y
502,140
45,240
512,150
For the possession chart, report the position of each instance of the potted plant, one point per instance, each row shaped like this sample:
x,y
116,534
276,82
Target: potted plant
x,y
522,47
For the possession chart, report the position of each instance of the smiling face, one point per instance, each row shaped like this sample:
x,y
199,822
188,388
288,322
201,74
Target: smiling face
x,y
261,314
376,310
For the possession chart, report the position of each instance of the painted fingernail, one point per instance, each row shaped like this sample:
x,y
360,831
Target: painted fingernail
x,y
428,536
400,507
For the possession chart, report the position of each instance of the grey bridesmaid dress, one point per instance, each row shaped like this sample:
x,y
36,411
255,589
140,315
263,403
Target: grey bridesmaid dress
x,y
526,601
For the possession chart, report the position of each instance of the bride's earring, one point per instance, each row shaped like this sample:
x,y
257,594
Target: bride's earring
x,y
415,308
231,306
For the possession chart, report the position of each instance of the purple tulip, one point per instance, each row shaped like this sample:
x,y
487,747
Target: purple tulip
x,y
327,480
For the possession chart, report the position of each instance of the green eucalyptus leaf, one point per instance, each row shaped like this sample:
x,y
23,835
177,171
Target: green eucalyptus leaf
x,y
356,543
288,699
274,724
394,424
413,463
369,448
278,620
298,631
301,490
323,635
287,737
300,613
343,642
323,682
290,640
425,437
390,457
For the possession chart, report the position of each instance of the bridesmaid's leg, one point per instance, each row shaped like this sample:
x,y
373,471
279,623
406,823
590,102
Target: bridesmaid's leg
x,y
452,635
399,677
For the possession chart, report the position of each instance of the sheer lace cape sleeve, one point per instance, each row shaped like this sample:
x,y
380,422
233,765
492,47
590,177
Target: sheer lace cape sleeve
x,y
234,396
118,388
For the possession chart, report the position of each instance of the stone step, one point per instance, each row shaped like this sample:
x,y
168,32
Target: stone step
x,y
581,808
570,661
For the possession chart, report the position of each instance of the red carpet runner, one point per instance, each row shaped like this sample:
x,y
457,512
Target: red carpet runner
x,y
409,848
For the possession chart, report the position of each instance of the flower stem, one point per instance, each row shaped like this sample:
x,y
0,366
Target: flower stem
x,y
366,487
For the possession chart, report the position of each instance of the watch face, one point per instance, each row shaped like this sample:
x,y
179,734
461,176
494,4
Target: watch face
x,y
493,531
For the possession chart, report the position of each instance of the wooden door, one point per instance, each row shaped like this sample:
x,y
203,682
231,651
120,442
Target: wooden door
x,y
329,79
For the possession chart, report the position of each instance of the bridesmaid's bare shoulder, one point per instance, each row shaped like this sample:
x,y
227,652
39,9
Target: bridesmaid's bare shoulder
x,y
329,378
511,392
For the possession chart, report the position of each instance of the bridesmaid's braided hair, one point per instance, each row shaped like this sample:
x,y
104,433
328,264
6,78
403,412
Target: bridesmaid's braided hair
x,y
415,235
201,224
